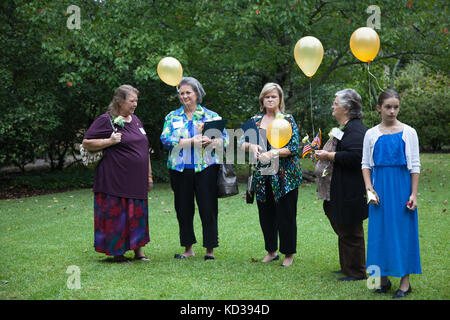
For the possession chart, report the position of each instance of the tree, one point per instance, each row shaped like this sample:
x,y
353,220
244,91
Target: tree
x,y
57,79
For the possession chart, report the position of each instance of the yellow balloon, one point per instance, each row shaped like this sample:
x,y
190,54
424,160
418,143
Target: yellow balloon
x,y
279,132
170,71
308,53
364,44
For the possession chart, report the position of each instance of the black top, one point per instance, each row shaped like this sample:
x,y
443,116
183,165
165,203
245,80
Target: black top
x,y
347,190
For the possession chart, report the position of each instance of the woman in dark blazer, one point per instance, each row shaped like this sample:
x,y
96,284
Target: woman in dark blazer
x,y
347,207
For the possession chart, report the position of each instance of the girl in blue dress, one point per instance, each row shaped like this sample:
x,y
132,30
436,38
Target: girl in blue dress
x,y
391,168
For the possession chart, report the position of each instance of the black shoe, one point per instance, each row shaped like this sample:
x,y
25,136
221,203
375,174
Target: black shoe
x,y
209,257
350,279
384,288
401,294
277,257
179,256
337,271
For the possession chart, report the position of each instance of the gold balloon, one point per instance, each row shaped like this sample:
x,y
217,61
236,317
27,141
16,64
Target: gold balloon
x,y
279,132
308,53
364,44
170,71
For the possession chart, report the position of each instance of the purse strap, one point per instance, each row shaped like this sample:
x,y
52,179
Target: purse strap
x,y
112,125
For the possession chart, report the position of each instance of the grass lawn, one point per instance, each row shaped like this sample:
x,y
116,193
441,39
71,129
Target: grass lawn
x,y
40,237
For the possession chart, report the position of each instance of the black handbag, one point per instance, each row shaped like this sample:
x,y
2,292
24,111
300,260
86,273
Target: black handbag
x,y
250,192
227,184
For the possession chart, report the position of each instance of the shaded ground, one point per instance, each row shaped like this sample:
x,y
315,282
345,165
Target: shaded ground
x,y
29,186
12,193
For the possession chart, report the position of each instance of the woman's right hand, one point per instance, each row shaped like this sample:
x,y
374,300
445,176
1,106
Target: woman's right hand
x,y
115,138
255,150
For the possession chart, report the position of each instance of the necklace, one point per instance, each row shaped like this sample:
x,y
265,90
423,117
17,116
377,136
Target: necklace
x,y
189,111
397,127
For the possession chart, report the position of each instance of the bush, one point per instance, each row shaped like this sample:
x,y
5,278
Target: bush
x,y
424,105
73,177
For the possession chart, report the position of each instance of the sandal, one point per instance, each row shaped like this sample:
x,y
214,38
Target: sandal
x,y
142,258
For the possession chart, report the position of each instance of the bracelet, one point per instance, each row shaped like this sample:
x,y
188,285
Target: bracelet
x,y
150,176
275,153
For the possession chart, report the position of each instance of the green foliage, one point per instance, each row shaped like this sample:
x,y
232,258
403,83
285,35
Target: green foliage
x,y
60,79
76,176
424,106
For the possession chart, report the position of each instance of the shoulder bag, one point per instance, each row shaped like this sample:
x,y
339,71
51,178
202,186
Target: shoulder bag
x,y
227,184
250,192
91,159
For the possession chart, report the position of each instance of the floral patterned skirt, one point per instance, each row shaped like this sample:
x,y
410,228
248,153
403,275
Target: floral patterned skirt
x,y
120,224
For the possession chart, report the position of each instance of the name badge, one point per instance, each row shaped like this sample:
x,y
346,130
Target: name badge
x,y
337,133
177,124
142,130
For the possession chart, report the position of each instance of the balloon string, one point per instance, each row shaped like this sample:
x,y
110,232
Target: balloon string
x,y
370,95
310,99
178,92
368,70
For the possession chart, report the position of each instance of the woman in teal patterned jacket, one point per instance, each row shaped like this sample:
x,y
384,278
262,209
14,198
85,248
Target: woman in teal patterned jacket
x,y
193,168
277,194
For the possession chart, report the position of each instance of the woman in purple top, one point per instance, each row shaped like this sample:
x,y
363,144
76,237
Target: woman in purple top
x,y
122,179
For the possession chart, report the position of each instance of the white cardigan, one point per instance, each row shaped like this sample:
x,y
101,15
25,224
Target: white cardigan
x,y
411,148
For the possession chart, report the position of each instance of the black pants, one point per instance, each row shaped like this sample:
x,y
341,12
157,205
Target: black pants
x,y
351,246
202,185
279,219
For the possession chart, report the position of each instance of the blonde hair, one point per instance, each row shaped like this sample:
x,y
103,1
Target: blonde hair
x,y
267,88
120,96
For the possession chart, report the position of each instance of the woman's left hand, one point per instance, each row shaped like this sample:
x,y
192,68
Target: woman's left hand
x,y
412,202
206,141
150,184
323,155
265,157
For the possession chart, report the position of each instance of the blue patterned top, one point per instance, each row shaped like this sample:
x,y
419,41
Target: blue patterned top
x,y
176,127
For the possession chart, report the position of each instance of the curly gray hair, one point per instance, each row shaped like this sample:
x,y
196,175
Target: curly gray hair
x,y
350,100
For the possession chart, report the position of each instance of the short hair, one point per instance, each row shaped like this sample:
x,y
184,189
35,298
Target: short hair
x,y
387,94
350,100
195,85
120,95
267,88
